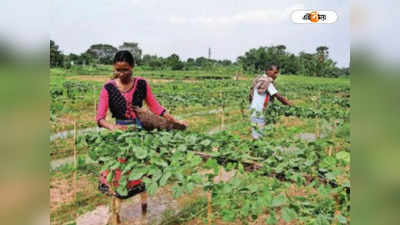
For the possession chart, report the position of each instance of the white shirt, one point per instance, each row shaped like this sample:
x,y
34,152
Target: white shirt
x,y
257,104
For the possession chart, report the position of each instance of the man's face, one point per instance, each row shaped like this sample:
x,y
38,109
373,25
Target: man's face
x,y
273,73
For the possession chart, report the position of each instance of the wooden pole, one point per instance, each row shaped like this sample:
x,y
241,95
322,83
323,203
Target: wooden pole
x,y
115,204
75,153
209,210
143,198
75,164
117,209
333,131
222,111
95,102
317,133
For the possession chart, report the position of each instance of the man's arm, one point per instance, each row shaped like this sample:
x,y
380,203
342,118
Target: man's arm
x,y
282,99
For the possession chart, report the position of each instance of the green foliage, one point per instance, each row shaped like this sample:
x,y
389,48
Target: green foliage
x,y
159,158
317,64
56,56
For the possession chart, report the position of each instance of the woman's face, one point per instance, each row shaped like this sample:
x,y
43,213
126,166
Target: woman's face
x,y
123,71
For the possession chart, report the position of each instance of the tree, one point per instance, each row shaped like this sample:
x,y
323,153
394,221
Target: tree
x,y
226,62
76,59
87,59
102,53
56,56
322,53
201,61
156,62
134,49
190,63
174,62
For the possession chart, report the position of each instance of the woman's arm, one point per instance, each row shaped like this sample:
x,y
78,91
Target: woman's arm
x,y
110,126
167,116
151,101
156,108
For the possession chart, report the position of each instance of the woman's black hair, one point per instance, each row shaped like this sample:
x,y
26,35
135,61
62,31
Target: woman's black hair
x,y
124,56
272,66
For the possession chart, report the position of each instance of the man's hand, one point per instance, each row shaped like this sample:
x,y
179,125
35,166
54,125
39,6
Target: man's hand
x,y
283,99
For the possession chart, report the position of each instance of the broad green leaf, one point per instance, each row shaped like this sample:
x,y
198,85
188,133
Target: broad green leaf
x,y
288,214
211,164
321,220
196,160
177,191
241,168
252,188
181,148
179,175
160,162
136,174
140,153
152,188
228,215
244,211
110,176
278,201
327,163
156,174
342,219
189,188
115,166
122,190
123,181
271,220
267,199
164,178
93,155
343,155
205,142
129,167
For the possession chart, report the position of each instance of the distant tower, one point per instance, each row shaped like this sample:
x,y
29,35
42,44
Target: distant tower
x,y
209,53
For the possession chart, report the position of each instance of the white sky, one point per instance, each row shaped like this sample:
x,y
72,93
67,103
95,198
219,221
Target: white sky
x,y
188,28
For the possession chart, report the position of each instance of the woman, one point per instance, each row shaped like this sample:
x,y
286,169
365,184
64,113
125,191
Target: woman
x,y
119,95
124,91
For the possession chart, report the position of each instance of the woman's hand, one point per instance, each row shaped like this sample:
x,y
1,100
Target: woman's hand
x,y
119,127
182,122
170,118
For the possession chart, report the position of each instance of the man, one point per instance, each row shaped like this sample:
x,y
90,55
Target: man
x,y
262,93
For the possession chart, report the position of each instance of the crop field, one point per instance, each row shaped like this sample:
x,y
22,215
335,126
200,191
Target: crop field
x,y
213,172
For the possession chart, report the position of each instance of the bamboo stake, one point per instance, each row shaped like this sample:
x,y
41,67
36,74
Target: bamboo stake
x,y
75,164
143,198
95,102
333,131
117,209
222,111
75,154
209,211
317,133
115,220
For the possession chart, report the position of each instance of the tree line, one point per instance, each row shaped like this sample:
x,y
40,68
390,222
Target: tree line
x,y
253,61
